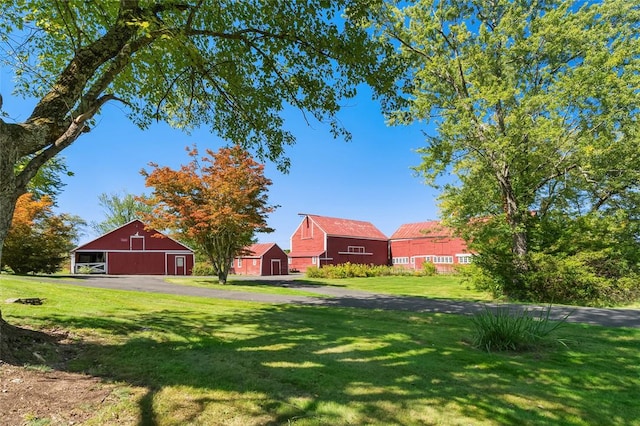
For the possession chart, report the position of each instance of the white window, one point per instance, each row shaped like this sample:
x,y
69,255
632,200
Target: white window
x,y
464,259
239,263
400,260
314,260
442,259
355,249
255,262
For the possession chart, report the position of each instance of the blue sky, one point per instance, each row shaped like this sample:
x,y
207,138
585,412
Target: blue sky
x,y
368,178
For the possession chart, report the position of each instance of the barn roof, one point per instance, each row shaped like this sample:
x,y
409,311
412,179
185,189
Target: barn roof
x,y
347,228
105,241
257,249
429,229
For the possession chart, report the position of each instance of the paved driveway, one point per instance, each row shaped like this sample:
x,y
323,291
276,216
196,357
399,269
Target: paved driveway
x,y
341,297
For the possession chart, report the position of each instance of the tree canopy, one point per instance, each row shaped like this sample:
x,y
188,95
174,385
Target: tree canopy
x,y
217,203
535,108
39,240
232,66
119,209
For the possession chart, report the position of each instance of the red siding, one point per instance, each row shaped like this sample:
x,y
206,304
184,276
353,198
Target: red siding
x,y
355,250
262,261
321,240
131,250
413,243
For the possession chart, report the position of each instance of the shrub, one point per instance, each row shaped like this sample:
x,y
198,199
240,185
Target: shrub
x,y
429,269
202,269
354,270
85,269
504,330
587,278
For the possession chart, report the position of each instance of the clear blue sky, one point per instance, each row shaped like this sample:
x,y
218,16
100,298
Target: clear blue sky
x,y
368,178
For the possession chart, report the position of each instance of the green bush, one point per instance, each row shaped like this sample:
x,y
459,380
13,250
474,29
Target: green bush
x,y
203,269
354,270
504,330
429,269
587,278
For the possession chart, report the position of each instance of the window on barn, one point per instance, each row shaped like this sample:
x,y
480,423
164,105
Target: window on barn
x,y
239,263
400,260
355,249
464,259
442,259
255,262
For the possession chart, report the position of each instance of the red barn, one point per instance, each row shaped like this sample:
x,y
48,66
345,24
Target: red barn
x,y
321,240
133,250
415,243
261,259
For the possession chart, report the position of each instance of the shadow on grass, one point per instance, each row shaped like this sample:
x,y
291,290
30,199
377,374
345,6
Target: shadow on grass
x,y
345,366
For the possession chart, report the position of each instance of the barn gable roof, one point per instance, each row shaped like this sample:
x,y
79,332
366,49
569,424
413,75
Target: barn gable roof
x,y
257,250
103,242
337,227
429,229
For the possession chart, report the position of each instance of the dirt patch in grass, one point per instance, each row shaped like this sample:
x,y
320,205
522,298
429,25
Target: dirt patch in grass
x,y
31,396
36,389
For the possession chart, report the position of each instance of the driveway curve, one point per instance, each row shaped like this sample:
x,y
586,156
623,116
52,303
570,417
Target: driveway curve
x,y
342,297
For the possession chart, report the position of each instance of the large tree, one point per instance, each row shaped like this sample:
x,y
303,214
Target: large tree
x,y
233,66
39,240
217,203
535,109
230,65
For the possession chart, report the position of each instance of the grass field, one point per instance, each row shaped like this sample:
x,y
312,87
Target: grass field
x,y
196,361
436,287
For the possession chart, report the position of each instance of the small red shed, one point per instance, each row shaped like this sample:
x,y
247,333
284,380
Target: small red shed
x,y
415,243
133,250
322,240
261,259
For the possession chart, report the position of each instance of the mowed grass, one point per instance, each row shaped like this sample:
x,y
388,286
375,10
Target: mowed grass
x,y
435,287
244,285
188,361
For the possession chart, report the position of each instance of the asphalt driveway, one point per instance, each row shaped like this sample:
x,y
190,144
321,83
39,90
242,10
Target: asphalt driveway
x,y
341,297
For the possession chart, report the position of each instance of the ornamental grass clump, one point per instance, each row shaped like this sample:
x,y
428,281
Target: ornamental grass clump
x,y
506,329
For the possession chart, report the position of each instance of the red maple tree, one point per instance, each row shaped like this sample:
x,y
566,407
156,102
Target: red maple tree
x,y
215,203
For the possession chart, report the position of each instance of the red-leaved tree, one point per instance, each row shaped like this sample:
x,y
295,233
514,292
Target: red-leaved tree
x,y
216,203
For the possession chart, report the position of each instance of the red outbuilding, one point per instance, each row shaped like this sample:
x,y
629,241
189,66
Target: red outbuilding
x,y
133,250
415,243
321,240
261,259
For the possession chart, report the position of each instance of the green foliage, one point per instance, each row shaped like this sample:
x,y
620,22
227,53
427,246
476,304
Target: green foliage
x,y
535,107
39,240
119,209
507,329
587,278
429,269
203,269
356,270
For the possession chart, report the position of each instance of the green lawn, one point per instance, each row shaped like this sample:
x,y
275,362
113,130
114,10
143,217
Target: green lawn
x,y
436,287
249,286
188,361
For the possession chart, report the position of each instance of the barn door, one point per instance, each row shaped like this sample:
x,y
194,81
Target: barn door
x,y
181,268
275,267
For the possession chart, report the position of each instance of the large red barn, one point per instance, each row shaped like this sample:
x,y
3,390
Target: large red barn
x,y
415,243
133,250
321,240
261,259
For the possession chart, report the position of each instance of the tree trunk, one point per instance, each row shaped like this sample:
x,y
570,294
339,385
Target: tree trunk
x,y
516,220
